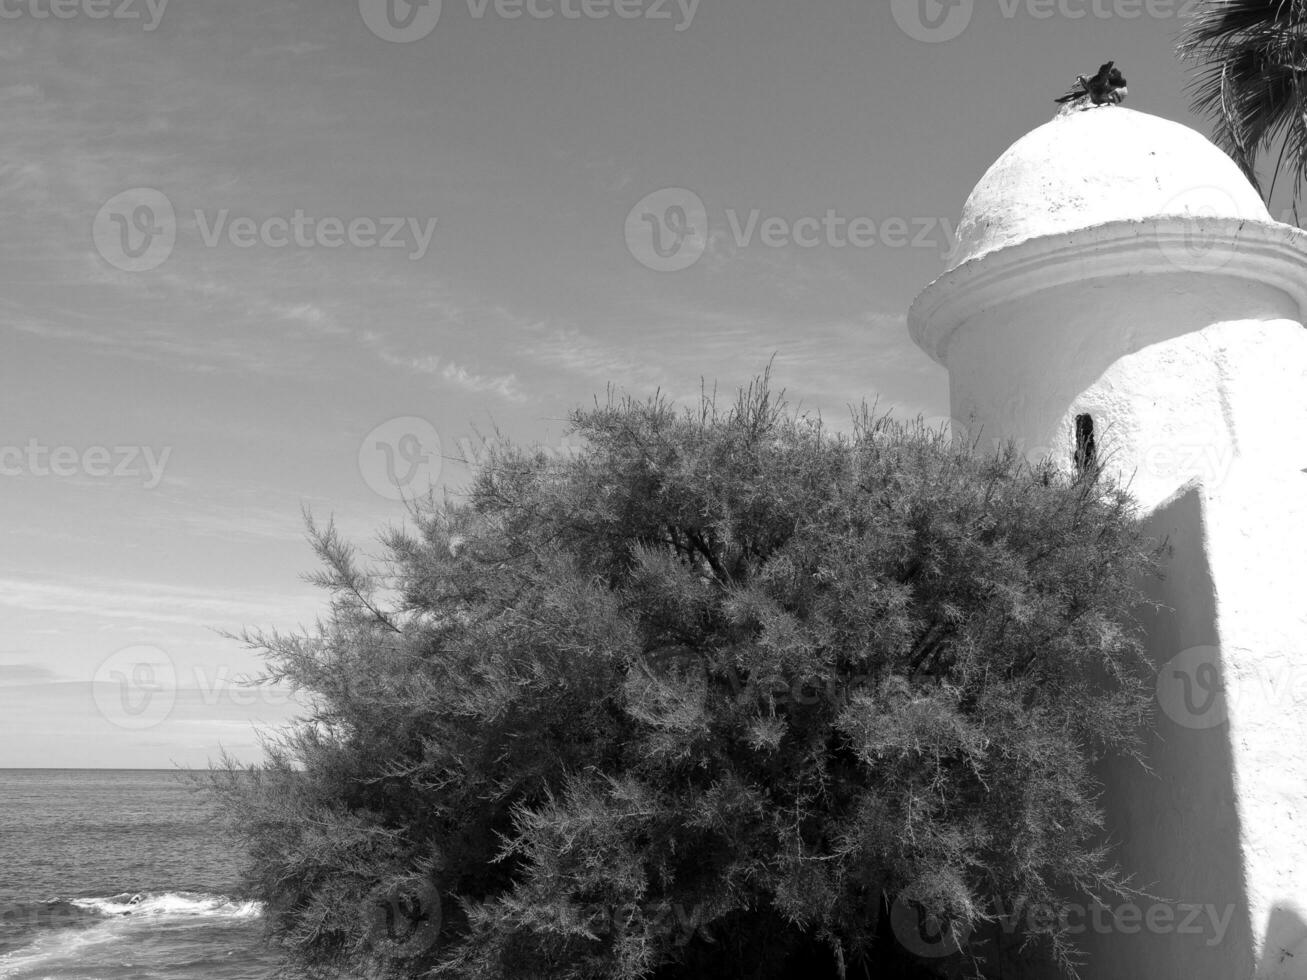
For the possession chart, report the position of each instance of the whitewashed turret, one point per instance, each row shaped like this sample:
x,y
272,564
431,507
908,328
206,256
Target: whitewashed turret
x,y
1119,288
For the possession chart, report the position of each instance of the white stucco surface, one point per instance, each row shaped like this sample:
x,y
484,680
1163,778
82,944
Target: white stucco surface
x,y
1091,281
1095,166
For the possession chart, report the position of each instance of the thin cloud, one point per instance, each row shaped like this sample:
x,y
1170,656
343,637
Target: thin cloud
x,y
25,674
505,386
148,602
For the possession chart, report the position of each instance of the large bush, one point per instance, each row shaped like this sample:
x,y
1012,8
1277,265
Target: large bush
x,y
701,700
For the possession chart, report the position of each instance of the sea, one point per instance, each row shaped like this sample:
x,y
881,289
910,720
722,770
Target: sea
x,y
120,875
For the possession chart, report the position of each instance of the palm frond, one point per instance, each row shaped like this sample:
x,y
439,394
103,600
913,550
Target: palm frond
x,y
1252,82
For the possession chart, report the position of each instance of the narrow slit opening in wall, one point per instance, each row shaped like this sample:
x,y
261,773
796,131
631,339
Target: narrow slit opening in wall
x,y
1086,451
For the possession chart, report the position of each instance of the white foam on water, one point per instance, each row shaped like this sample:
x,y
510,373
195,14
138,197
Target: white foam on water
x,y
171,904
56,947
123,914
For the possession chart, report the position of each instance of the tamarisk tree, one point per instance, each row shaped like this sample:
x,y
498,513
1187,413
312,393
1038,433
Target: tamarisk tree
x,y
704,698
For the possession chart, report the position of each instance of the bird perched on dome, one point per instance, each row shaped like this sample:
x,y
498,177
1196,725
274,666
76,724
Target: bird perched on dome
x,y
1107,87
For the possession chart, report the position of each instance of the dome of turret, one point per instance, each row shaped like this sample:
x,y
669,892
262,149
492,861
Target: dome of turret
x,y
1100,165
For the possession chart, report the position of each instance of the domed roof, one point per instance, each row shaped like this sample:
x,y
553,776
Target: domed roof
x,y
1097,165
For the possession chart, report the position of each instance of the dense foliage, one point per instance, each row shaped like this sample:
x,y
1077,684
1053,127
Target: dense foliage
x,y
701,700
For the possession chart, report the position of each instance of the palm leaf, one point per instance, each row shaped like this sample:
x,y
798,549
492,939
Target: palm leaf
x,y
1253,81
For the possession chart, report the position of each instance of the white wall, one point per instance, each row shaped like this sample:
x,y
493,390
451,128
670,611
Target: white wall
x,y
1198,388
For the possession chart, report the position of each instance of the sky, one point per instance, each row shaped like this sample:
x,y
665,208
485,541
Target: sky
x,y
265,256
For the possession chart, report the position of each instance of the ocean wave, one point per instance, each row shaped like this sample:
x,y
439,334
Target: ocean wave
x,y
63,937
64,946
171,904
42,935
21,920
